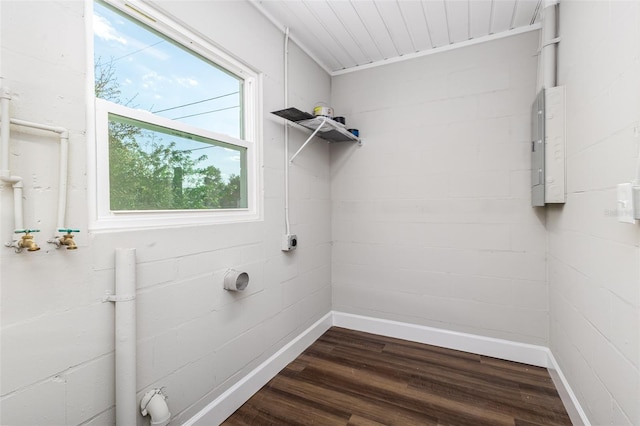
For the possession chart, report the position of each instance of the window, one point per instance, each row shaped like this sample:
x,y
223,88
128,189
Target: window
x,y
176,127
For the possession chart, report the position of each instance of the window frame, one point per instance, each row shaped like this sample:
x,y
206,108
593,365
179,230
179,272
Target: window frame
x,y
103,218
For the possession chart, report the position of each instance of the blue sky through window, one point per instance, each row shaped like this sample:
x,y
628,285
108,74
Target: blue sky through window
x,y
157,75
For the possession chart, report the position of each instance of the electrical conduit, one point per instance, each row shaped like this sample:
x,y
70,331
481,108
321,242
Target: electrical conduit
x,y
548,45
286,133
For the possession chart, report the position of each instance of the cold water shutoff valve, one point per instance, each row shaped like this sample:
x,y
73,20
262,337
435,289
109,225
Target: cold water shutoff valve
x,y
66,239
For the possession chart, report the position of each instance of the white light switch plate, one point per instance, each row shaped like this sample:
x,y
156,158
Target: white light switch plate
x,y
625,203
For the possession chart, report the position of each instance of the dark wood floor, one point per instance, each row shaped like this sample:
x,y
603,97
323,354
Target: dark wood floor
x,y
352,378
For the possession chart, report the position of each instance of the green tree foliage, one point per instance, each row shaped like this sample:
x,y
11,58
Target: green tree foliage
x,y
146,173
231,193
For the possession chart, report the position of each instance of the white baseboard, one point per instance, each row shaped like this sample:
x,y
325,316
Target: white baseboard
x,y
223,406
540,356
569,399
497,348
226,404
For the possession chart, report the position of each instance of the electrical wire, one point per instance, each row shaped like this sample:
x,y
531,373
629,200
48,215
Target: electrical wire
x,y
206,112
131,53
196,102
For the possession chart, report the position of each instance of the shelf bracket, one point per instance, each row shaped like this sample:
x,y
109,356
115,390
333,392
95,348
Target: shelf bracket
x,y
308,140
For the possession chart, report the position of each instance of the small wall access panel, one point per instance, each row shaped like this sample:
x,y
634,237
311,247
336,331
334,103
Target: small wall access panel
x,y
548,178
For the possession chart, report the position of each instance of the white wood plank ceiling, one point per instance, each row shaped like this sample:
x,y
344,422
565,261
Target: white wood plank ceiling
x,y
344,35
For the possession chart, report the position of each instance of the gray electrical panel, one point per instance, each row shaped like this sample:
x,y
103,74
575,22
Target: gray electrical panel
x,y
537,151
548,157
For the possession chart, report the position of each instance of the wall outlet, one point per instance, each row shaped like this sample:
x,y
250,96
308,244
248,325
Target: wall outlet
x,y
636,201
625,203
289,242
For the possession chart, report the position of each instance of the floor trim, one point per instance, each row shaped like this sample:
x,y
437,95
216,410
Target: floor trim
x,y
223,406
497,348
540,356
574,409
226,404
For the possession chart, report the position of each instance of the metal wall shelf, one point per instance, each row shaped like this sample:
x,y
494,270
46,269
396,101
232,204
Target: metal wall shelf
x,y
323,127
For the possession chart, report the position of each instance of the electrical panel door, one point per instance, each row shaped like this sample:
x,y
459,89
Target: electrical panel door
x,y
548,157
537,151
554,141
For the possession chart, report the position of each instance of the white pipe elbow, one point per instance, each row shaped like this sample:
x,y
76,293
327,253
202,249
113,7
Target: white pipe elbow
x,y
154,403
15,181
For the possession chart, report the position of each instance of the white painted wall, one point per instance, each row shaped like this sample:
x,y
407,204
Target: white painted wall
x,y
432,221
594,263
194,338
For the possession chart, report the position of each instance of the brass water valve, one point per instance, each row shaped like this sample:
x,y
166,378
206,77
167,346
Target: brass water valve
x,y
25,242
66,239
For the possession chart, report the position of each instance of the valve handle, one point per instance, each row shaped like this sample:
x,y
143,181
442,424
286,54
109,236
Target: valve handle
x,y
25,231
68,230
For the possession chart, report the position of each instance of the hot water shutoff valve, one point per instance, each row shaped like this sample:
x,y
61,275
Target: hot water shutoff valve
x,y
289,242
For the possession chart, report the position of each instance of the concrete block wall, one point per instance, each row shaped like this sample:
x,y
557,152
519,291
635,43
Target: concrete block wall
x,y
432,221
194,338
593,260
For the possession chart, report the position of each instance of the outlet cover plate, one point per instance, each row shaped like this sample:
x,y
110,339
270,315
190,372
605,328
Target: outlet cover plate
x,y
625,203
289,242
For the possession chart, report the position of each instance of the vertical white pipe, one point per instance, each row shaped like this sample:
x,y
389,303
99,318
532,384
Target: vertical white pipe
x,y
17,205
286,133
5,173
63,171
549,48
4,130
1,25
539,76
125,346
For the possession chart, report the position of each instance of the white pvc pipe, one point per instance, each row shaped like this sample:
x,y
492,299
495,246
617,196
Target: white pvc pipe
x,y
16,181
154,404
5,97
16,184
125,330
18,224
63,164
5,172
63,171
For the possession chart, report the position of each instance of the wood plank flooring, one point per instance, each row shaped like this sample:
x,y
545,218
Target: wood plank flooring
x,y
352,378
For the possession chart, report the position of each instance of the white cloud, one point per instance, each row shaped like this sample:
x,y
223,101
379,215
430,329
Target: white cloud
x,y
103,29
153,80
187,81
